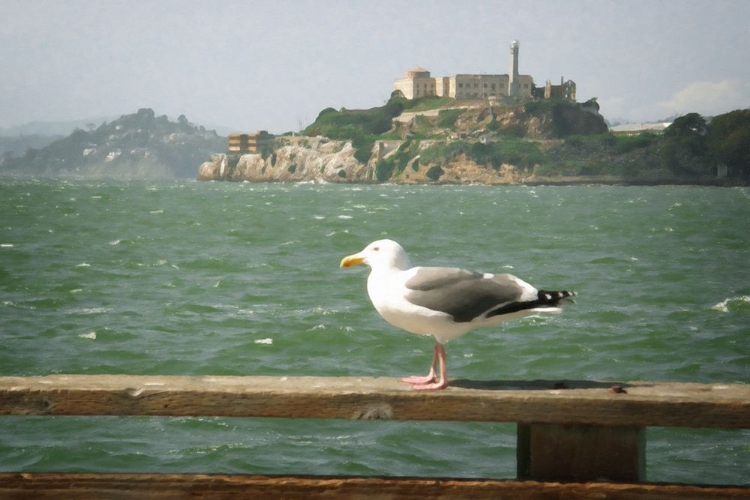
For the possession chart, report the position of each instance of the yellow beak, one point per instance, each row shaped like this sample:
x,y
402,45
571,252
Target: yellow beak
x,y
352,260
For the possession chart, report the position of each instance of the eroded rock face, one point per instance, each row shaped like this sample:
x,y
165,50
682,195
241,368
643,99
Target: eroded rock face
x,y
335,162
297,159
214,169
319,159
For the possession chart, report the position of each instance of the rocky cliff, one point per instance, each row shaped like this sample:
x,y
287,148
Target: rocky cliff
x,y
324,160
293,160
469,143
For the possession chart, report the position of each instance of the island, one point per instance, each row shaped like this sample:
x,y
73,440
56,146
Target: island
x,y
436,139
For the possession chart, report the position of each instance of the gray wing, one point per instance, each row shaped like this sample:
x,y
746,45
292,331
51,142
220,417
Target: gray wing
x,y
464,295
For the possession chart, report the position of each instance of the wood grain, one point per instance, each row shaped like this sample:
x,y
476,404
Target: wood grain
x,y
42,486
633,404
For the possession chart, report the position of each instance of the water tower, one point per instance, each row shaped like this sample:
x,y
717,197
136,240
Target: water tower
x,y
513,86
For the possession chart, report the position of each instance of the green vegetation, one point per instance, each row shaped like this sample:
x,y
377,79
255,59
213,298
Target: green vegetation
x,y
349,124
447,117
548,137
728,142
427,103
397,162
434,173
524,154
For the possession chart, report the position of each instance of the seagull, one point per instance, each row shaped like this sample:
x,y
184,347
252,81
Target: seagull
x,y
444,302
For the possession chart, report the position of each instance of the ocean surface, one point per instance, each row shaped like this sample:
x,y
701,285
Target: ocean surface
x,y
192,278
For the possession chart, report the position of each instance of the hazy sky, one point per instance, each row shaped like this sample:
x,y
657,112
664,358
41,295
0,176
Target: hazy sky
x,y
275,64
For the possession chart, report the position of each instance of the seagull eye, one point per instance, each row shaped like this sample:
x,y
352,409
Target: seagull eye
x,y
376,249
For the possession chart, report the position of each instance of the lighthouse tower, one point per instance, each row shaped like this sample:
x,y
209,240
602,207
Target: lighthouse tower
x,y
513,85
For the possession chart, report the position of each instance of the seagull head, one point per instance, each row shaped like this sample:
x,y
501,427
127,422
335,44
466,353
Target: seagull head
x,y
381,254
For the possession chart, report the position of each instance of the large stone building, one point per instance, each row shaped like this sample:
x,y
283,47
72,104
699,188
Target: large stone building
x,y
419,83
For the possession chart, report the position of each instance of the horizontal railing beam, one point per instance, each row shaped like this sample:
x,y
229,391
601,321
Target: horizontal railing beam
x,y
634,404
43,486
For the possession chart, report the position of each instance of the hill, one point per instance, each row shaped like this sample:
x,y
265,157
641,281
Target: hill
x,y
140,145
456,141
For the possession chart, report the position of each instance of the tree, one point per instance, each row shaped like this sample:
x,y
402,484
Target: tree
x,y
684,147
728,141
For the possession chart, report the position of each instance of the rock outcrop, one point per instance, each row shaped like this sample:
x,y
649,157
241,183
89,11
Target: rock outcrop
x,y
326,161
460,144
295,159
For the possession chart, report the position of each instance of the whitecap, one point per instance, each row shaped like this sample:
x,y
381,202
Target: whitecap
x,y
344,217
725,304
267,341
157,211
114,242
92,310
6,245
721,306
84,264
90,336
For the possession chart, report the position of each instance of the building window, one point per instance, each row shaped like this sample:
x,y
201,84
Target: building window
x,y
493,86
460,85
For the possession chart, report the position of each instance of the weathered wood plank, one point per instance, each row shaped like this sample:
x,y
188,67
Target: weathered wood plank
x,y
237,487
637,404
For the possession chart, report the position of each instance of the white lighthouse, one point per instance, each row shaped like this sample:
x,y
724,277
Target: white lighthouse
x,y
513,84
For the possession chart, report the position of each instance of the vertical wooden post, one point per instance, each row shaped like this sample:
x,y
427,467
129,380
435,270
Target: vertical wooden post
x,y
551,452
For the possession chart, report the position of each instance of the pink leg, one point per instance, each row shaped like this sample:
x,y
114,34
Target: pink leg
x,y
443,382
429,383
416,379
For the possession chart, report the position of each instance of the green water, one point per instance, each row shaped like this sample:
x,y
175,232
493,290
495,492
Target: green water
x,y
243,279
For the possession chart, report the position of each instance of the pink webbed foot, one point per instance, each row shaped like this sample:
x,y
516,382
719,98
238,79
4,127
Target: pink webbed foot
x,y
417,380
430,382
432,386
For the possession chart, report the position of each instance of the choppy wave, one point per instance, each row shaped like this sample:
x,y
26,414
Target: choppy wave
x,y
734,304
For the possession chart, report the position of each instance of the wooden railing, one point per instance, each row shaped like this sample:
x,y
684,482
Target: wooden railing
x,y
574,439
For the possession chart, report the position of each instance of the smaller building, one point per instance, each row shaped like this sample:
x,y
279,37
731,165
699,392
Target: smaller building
x,y
566,90
249,143
418,83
